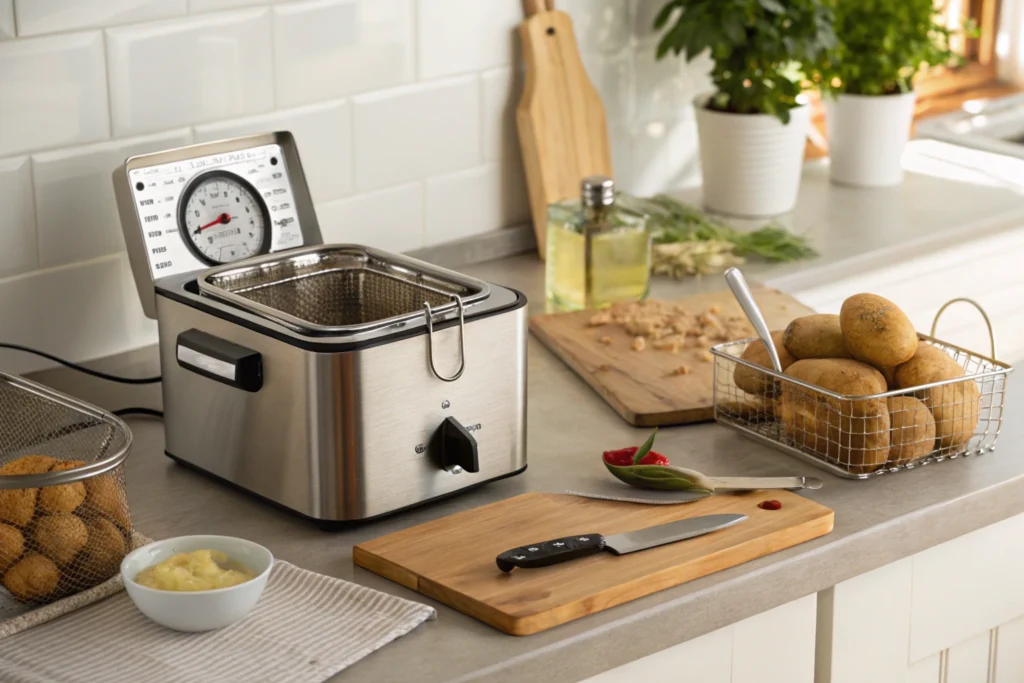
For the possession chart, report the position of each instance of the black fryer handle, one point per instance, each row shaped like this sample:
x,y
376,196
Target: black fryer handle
x,y
551,552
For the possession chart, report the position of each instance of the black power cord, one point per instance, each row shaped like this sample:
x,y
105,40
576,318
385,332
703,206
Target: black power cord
x,y
135,410
82,368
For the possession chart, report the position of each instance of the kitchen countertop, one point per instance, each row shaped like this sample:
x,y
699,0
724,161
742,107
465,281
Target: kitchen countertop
x,y
877,521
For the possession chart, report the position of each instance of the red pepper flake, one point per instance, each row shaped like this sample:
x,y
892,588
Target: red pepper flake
x,y
770,505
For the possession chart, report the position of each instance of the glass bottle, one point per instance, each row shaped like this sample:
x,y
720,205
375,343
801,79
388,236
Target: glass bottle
x,y
598,249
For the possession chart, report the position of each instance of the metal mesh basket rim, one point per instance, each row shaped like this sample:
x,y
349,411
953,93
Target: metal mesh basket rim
x,y
120,437
998,368
231,283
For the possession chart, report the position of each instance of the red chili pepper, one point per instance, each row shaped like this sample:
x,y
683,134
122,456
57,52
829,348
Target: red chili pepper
x,y
770,505
623,457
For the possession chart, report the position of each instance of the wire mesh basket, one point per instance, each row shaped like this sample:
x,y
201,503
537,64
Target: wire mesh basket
x,y
860,437
64,519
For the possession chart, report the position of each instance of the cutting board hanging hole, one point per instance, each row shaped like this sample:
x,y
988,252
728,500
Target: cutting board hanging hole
x,y
551,30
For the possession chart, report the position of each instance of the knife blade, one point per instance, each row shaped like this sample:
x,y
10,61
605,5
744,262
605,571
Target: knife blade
x,y
560,550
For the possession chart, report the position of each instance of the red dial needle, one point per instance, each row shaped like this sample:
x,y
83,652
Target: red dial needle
x,y
221,219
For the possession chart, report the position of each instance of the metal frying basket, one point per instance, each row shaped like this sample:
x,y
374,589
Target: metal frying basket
x,y
846,435
339,289
64,520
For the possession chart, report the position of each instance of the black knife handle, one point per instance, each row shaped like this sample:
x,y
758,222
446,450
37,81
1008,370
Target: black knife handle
x,y
550,552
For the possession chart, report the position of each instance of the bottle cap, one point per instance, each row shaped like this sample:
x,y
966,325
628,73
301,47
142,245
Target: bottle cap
x,y
598,190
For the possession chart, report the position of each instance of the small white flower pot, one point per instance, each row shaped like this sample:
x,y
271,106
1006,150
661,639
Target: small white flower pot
x,y
866,137
751,163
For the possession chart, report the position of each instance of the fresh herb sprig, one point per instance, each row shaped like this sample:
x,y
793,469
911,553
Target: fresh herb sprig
x,y
672,221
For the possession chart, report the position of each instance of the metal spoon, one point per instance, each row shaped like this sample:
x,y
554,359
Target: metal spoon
x,y
738,285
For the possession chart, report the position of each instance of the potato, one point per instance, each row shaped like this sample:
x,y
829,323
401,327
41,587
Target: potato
x,y
816,336
750,408
853,433
876,331
956,407
913,430
756,382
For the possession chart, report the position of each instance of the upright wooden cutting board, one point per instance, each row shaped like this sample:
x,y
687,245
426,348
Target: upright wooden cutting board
x,y
452,559
562,129
641,385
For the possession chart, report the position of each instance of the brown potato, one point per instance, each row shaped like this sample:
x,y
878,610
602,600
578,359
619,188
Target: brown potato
x,y
32,578
751,408
756,382
851,432
18,506
816,336
956,407
63,498
12,545
102,555
105,496
60,537
877,331
913,430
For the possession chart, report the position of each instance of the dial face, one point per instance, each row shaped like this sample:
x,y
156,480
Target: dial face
x,y
223,218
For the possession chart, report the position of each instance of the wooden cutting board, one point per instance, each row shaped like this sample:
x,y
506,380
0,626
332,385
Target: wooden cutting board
x,y
563,133
642,386
452,559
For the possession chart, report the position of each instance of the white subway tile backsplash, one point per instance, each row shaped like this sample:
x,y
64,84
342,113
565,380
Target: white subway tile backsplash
x,y
53,91
323,134
612,75
665,155
601,26
665,88
502,89
475,201
415,131
390,219
18,229
329,48
7,19
197,6
457,36
187,71
52,16
76,312
76,214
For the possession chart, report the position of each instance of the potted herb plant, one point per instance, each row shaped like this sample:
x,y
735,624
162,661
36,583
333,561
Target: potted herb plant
x,y
753,127
868,81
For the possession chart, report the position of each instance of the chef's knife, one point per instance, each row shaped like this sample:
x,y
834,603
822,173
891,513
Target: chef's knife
x,y
580,545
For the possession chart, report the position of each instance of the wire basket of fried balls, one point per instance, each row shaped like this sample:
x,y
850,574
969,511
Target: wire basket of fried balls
x,y
61,538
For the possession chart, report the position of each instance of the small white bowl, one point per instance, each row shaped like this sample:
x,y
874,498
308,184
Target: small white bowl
x,y
197,610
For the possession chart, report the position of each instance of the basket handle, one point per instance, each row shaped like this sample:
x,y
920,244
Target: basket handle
x,y
462,341
988,323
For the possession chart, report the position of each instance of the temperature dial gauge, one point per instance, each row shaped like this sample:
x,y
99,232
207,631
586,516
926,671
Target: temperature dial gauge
x,y
223,218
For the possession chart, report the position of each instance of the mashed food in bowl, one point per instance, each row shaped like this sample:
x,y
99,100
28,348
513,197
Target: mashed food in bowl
x,y
199,570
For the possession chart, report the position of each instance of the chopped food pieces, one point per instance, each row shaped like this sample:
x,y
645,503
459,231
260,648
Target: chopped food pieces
x,y
668,327
707,357
681,370
770,505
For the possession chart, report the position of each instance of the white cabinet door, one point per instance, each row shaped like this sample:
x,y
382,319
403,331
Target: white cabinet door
x,y
951,614
776,646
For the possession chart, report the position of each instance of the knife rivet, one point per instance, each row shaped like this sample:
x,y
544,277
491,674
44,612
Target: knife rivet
x,y
583,538
533,550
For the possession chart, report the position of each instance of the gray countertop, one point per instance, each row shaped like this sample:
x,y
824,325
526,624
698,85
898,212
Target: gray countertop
x,y
877,521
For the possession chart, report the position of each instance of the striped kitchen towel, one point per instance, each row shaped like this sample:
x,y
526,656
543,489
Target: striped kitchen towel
x,y
306,628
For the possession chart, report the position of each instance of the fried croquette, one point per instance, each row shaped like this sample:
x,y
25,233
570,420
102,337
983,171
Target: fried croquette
x,y
18,506
105,496
102,555
32,578
60,537
12,545
63,498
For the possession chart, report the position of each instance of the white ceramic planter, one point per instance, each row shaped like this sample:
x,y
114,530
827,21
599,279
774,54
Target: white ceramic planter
x,y
866,137
751,163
